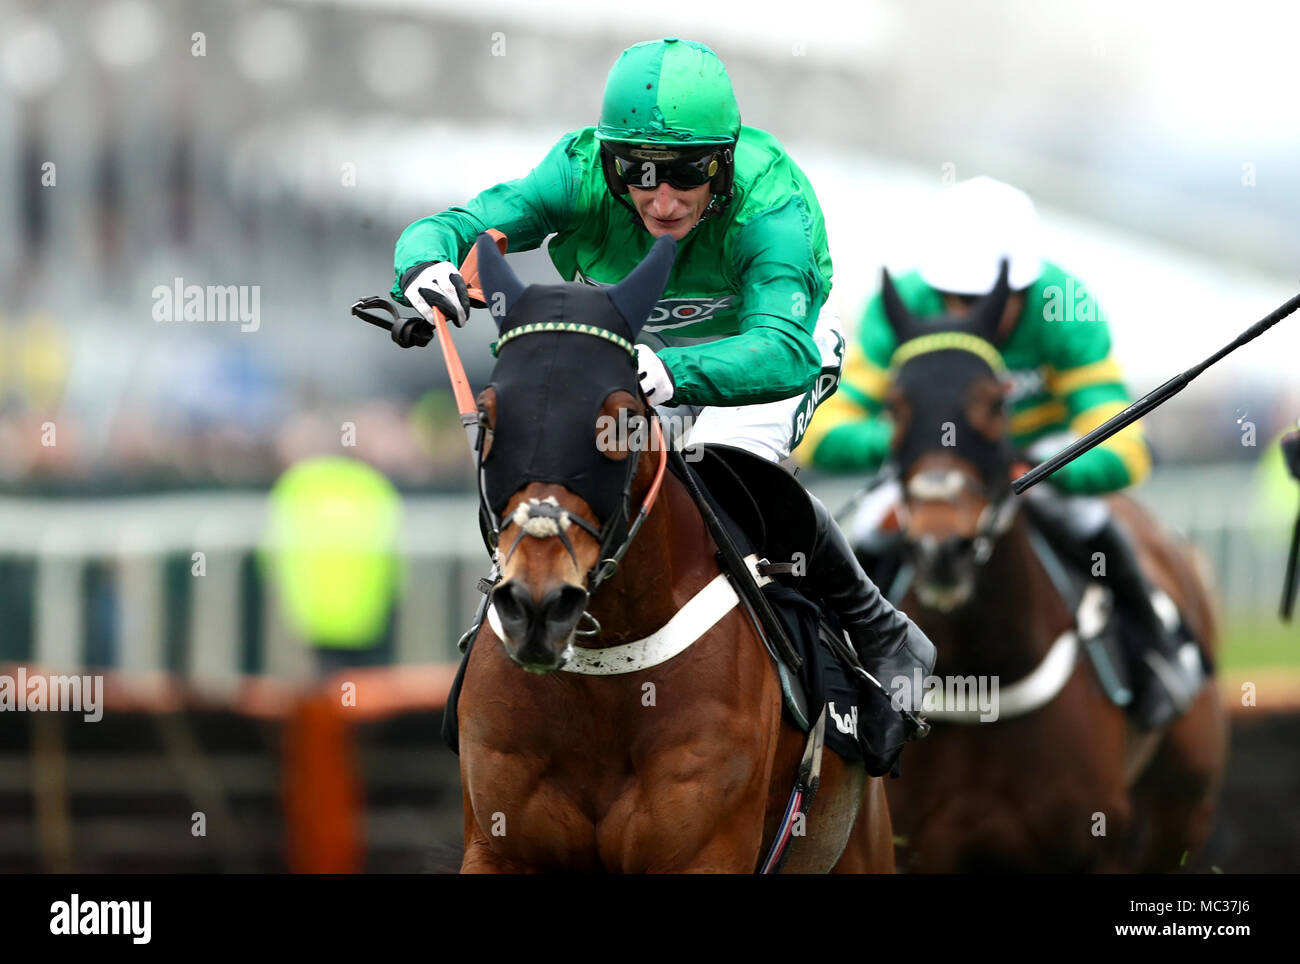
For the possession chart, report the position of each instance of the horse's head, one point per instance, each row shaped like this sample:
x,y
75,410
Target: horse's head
x,y
562,424
951,441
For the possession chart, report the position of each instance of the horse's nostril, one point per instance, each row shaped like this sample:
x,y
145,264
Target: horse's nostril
x,y
565,606
512,602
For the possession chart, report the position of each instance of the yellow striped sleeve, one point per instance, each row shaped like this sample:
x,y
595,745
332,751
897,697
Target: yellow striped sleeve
x,y
1096,373
864,379
1030,420
1129,444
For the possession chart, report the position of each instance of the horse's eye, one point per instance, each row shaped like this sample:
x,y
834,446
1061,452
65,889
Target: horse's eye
x,y
485,429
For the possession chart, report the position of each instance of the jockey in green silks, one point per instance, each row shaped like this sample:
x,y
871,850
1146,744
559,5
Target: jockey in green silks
x,y
1056,343
741,340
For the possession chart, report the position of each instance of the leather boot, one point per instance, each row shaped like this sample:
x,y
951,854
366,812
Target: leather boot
x,y
1168,669
889,644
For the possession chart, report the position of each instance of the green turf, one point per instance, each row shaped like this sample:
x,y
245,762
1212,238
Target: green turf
x,y
1254,640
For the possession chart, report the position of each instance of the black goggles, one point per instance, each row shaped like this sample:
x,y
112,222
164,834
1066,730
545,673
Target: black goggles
x,y
648,168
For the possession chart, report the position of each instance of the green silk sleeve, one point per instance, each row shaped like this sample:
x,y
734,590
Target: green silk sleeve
x,y
774,355
527,210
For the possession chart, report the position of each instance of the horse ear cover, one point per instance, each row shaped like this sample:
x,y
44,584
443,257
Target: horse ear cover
x,y
500,285
896,312
552,383
986,316
638,293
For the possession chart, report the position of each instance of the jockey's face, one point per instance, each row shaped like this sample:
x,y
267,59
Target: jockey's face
x,y
669,210
959,306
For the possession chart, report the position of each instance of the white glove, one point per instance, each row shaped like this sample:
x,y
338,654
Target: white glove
x,y
656,383
439,285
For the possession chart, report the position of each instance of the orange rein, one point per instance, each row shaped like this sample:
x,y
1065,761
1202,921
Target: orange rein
x,y
646,505
659,472
459,383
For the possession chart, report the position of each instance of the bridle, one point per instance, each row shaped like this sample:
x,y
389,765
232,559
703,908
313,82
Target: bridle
x,y
944,485
546,518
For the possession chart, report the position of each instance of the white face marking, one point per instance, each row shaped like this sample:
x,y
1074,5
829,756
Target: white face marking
x,y
936,486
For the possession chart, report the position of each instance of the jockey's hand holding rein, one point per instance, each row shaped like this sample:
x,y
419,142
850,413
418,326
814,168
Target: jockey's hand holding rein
x,y
438,284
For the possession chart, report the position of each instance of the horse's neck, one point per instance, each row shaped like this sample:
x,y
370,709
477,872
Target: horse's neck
x,y
1014,617
668,561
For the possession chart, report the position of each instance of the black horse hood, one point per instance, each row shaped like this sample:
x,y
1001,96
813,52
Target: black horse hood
x,y
936,380
563,350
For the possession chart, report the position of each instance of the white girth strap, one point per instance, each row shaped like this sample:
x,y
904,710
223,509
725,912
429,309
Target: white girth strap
x,y
1028,693
1049,677
700,614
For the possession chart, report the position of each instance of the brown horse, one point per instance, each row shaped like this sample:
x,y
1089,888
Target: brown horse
x,y
684,764
1060,781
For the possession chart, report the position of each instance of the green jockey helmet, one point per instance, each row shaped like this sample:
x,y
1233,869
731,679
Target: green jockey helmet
x,y
670,94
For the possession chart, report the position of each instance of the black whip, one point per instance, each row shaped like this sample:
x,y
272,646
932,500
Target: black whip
x,y
1148,401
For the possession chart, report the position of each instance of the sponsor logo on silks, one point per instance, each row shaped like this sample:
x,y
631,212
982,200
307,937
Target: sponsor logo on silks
x,y
846,722
822,389
679,312
672,312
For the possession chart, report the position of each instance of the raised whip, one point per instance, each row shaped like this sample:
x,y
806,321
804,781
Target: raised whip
x,y
1148,401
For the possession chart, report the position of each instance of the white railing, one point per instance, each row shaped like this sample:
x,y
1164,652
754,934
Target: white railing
x,y
1214,507
137,538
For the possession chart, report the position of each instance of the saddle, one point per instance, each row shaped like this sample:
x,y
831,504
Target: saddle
x,y
739,486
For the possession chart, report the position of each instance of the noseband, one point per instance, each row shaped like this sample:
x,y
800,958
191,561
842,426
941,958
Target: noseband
x,y
944,485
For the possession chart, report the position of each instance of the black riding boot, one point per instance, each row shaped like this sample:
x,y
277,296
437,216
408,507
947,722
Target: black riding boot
x,y
889,644
1168,669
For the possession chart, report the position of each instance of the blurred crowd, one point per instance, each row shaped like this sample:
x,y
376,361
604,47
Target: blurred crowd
x,y
237,422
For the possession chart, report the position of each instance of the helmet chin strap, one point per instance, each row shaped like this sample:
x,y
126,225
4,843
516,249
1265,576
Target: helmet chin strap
x,y
717,206
727,176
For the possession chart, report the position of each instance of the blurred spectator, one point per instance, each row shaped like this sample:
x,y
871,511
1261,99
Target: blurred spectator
x,y
331,551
